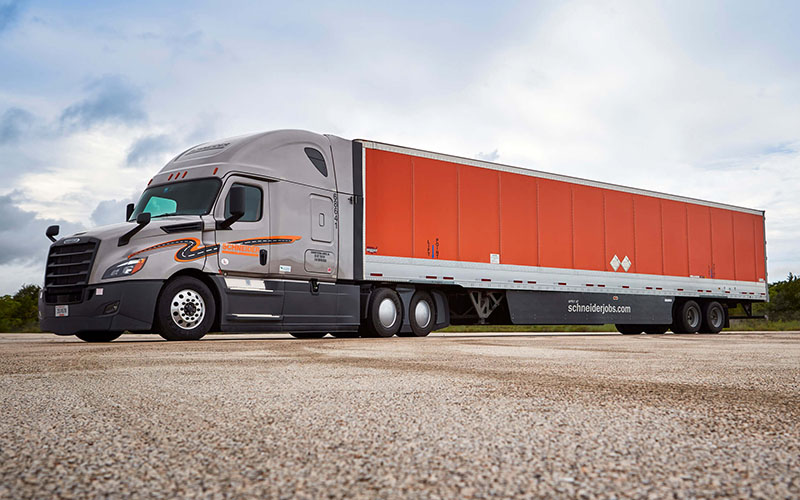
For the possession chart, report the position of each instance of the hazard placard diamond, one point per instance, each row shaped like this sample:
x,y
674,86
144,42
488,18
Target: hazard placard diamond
x,y
626,263
615,262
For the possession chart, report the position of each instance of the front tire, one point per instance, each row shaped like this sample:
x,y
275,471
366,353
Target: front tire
x,y
687,317
185,309
98,336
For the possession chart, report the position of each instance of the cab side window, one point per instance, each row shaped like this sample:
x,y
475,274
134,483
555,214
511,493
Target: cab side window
x,y
254,200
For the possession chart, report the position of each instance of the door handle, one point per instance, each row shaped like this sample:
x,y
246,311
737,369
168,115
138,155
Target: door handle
x,y
262,257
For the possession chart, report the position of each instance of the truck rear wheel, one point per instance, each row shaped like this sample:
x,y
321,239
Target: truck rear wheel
x,y
421,315
185,309
384,314
98,336
687,317
630,329
713,318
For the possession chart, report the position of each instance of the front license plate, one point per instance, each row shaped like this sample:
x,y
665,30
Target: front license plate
x,y
62,311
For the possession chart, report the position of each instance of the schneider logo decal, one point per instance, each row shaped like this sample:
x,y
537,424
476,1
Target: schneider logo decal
x,y
191,250
598,308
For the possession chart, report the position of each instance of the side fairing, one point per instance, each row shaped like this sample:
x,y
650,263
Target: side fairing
x,y
309,214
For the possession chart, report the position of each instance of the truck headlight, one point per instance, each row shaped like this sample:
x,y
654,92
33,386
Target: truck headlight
x,y
124,268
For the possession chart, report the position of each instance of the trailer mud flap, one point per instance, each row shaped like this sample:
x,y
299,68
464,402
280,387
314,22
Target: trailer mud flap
x,y
574,308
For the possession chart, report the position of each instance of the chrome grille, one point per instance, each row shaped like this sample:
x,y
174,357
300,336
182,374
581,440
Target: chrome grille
x,y
67,271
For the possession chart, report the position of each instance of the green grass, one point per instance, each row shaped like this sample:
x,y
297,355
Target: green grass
x,y
748,325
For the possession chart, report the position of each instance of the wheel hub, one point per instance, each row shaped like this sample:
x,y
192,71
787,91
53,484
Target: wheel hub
x,y
187,309
387,313
692,317
422,314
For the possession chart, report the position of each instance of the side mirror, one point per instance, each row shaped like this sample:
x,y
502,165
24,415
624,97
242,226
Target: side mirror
x,y
236,206
129,211
142,220
52,232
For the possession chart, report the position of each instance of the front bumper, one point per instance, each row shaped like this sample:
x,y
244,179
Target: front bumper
x,y
136,299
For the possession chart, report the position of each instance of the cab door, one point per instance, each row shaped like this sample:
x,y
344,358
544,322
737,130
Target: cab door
x,y
243,247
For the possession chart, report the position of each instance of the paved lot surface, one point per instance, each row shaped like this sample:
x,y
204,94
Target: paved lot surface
x,y
446,416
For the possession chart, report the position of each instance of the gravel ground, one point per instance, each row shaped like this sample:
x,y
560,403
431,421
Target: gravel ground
x,y
447,416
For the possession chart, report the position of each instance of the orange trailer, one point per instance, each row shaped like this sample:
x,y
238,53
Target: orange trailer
x,y
545,242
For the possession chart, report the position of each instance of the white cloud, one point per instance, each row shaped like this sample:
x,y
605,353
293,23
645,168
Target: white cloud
x,y
670,97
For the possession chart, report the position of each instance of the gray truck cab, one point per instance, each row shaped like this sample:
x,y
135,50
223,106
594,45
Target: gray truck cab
x,y
250,233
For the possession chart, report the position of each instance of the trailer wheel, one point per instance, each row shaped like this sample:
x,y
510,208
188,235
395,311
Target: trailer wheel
x,y
308,335
385,314
656,329
185,309
687,317
630,329
421,315
713,318
98,336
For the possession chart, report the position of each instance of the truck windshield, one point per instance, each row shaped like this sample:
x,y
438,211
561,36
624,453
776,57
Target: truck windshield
x,y
179,198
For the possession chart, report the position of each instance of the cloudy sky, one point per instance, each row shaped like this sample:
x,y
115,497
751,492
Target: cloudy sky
x,y
693,98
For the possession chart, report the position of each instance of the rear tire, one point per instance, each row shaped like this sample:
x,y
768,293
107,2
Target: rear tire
x,y
421,315
630,329
98,336
687,317
713,318
656,329
384,314
185,309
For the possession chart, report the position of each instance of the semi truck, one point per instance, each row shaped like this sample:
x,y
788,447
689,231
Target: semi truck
x,y
293,231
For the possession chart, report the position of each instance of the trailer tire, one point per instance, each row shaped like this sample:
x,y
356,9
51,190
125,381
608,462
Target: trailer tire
x,y
308,335
687,317
421,315
98,336
185,309
384,314
656,329
713,317
630,329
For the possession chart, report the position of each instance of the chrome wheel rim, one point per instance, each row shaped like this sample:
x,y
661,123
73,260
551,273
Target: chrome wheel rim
x,y
387,313
187,309
422,314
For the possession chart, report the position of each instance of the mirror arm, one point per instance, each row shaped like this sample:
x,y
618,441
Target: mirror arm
x,y
227,223
126,238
